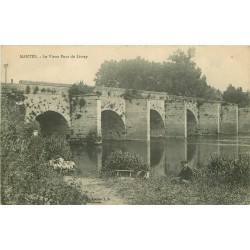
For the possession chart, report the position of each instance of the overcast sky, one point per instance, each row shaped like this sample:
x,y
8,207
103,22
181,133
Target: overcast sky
x,y
222,65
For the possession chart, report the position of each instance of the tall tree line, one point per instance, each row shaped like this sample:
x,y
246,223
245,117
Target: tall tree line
x,y
178,75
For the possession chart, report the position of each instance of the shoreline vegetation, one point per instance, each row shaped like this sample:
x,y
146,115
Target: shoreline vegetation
x,y
221,181
160,191
27,179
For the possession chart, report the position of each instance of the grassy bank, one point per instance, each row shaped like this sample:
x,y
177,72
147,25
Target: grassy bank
x,y
160,191
221,180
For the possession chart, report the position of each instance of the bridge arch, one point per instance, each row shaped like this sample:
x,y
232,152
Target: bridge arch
x,y
157,128
191,123
52,122
192,106
116,104
37,104
113,126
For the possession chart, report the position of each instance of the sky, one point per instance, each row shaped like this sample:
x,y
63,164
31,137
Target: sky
x,y
222,65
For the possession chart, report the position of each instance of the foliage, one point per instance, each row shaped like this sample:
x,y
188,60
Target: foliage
x,y
25,175
15,95
132,74
178,75
99,93
120,160
230,170
78,116
27,89
82,102
161,191
56,146
237,96
35,90
92,138
80,89
223,180
11,121
74,102
132,94
34,125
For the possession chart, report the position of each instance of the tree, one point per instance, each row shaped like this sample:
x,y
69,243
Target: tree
x,y
108,74
179,75
233,95
131,74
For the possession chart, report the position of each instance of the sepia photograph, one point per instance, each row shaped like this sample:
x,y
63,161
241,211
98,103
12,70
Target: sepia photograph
x,y
125,125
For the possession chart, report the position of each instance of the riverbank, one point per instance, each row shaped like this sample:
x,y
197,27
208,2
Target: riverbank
x,y
158,191
97,190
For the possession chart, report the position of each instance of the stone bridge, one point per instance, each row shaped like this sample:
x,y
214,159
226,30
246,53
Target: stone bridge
x,y
110,116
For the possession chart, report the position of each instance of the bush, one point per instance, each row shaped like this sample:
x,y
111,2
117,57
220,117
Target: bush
x,y
82,102
80,89
120,160
15,95
35,90
227,170
99,93
25,175
27,89
35,125
78,116
92,138
132,94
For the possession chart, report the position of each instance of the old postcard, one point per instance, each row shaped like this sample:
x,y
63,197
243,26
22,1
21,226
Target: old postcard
x,y
120,125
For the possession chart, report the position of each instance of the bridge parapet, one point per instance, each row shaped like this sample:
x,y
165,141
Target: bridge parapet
x,y
44,88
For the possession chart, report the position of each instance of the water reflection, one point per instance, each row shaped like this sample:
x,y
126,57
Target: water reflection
x,y
164,155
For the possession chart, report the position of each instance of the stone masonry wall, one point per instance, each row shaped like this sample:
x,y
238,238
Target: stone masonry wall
x,y
85,117
229,119
212,118
37,104
159,106
175,123
209,118
115,104
244,120
137,119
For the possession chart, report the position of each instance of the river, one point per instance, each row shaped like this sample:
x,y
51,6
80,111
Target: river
x,y
164,155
